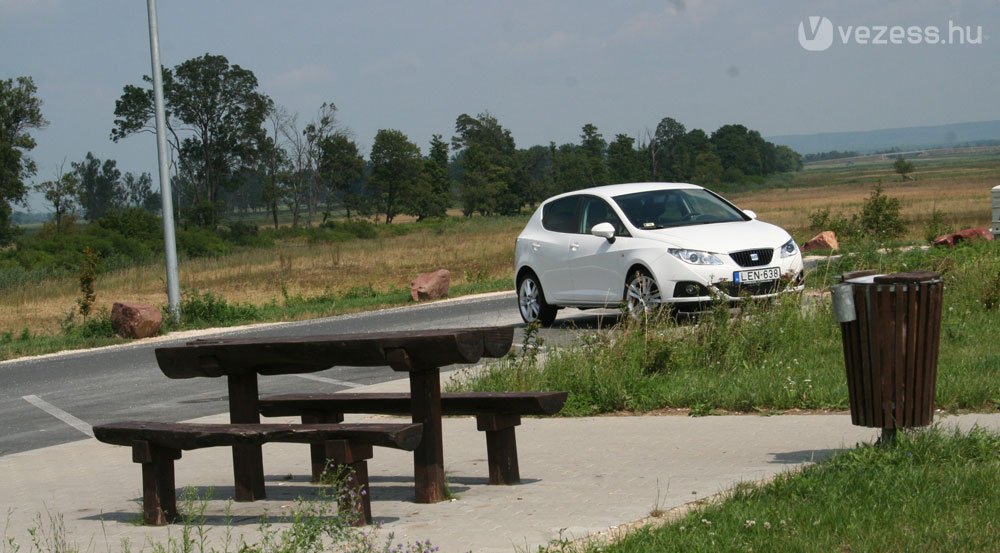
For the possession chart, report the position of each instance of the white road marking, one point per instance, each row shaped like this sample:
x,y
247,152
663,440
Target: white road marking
x,y
329,380
60,414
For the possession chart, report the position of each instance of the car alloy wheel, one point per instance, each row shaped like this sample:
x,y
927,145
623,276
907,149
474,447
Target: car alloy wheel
x,y
642,295
531,302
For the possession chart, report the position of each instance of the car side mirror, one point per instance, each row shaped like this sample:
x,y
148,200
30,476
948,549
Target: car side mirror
x,y
750,214
604,230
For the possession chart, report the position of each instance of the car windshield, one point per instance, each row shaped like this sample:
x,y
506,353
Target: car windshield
x,y
665,208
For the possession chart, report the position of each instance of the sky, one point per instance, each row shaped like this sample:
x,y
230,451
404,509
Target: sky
x,y
542,68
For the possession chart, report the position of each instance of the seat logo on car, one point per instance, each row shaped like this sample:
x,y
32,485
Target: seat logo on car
x,y
754,257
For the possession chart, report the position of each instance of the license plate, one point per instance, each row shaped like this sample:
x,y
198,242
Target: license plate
x,y
757,275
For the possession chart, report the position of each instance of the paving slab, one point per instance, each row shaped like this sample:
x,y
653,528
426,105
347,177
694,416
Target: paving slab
x,y
580,477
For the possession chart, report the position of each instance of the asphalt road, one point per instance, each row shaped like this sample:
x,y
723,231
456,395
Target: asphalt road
x,y
54,399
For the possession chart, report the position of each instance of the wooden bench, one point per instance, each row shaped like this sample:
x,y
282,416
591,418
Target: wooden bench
x,y
157,445
419,353
497,413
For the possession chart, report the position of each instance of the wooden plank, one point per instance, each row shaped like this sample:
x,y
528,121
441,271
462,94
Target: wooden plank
x,y
303,354
913,323
187,436
454,403
864,321
248,459
898,303
882,366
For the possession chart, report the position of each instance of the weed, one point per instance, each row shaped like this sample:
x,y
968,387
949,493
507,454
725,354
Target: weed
x,y
88,275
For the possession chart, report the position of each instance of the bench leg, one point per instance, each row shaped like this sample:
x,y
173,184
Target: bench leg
x,y
501,447
318,452
248,459
356,495
159,496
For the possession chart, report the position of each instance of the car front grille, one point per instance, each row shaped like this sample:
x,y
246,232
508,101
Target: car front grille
x,y
752,258
736,290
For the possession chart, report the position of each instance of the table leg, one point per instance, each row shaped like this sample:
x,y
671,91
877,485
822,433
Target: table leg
x,y
248,460
428,458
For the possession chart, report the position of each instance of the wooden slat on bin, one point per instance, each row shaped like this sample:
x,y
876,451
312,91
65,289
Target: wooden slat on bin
x,y
913,321
899,352
867,393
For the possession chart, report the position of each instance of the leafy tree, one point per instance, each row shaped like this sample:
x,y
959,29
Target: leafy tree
x,y
669,132
571,168
903,167
215,116
739,149
707,169
316,132
486,161
138,192
20,112
100,188
787,160
396,164
432,194
594,147
624,164
537,174
880,216
61,193
685,154
343,168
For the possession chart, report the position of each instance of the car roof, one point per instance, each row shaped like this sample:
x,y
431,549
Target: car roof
x,y
612,190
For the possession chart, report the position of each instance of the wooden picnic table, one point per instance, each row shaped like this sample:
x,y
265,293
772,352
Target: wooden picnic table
x,y
419,353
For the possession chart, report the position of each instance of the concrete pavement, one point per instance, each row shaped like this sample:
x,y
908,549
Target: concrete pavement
x,y
580,477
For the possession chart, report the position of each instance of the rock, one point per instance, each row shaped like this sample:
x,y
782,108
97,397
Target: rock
x,y
431,286
825,240
978,233
135,320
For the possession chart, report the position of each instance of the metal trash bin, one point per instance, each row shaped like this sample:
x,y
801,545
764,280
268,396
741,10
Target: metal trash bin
x,y
891,329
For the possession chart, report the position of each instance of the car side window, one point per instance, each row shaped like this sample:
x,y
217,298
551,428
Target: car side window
x,y
560,215
594,211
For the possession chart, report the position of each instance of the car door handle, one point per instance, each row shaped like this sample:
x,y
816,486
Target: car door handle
x,y
535,246
574,246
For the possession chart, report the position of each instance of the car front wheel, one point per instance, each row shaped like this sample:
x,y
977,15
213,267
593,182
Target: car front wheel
x,y
531,302
642,295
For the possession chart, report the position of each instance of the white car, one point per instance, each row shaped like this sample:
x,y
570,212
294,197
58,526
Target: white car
x,y
649,245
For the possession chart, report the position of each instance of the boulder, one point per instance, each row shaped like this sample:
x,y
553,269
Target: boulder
x,y
431,286
978,233
825,240
135,320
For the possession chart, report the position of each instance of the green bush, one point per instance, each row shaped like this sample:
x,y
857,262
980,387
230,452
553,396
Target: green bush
x,y
202,310
199,242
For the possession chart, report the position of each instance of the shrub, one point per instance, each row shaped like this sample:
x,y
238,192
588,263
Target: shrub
x,y
880,216
206,309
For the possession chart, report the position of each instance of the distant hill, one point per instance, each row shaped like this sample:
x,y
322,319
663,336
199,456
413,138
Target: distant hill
x,y
910,138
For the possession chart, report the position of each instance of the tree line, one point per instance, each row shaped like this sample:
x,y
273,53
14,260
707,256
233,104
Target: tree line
x,y
233,148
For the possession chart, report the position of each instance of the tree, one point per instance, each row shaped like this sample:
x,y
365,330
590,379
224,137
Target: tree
x,y
20,112
738,148
396,166
669,132
624,164
316,133
486,162
61,193
138,192
432,195
215,117
343,168
594,147
100,187
903,167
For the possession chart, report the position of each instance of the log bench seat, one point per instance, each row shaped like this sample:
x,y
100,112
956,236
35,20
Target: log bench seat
x,y
497,413
157,445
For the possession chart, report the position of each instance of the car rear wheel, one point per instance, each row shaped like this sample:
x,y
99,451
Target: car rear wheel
x,y
642,295
531,302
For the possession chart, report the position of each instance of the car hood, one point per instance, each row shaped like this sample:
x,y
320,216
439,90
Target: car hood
x,y
721,237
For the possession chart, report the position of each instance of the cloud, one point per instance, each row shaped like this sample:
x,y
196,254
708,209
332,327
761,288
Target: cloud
x,y
554,42
656,25
303,75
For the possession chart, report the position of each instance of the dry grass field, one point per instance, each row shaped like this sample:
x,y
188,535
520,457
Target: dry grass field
x,y
482,249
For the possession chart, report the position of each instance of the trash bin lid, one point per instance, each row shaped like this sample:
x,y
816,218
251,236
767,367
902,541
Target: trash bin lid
x,y
907,277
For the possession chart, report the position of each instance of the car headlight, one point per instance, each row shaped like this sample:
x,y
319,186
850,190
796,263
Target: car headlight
x,y
790,248
695,257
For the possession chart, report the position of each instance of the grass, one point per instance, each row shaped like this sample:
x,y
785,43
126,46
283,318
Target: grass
x,y
771,357
934,491
324,273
